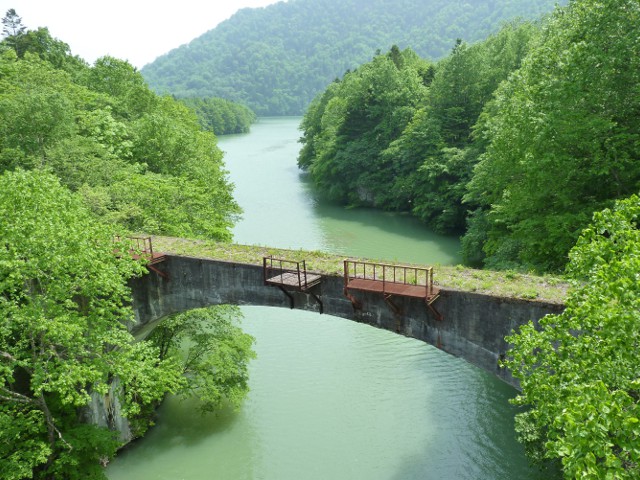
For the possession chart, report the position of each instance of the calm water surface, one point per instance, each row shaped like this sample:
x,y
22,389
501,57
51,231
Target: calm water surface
x,y
280,209
332,399
336,400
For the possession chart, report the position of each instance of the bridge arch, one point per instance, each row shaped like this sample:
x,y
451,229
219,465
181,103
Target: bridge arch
x,y
473,325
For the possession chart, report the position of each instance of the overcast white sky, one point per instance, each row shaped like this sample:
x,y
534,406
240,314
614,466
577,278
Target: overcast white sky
x,y
135,30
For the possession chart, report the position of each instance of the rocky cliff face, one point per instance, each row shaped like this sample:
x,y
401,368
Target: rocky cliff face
x,y
105,411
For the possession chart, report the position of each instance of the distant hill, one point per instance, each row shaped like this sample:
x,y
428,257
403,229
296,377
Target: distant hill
x,y
277,58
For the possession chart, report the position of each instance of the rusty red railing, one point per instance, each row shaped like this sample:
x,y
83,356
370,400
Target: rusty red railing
x,y
390,276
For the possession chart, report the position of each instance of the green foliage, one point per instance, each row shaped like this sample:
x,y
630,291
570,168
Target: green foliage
x,y
88,449
277,59
64,302
38,118
122,86
579,372
23,445
439,145
139,160
533,130
37,42
220,116
562,135
214,353
349,127
398,132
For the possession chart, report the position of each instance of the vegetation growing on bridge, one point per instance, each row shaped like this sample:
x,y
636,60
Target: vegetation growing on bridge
x,y
509,284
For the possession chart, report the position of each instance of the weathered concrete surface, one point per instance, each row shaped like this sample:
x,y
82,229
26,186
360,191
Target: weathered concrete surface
x,y
106,411
473,325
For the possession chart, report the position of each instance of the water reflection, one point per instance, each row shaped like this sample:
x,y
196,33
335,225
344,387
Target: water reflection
x,y
334,399
282,210
383,235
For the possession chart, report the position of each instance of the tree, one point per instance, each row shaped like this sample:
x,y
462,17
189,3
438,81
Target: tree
x,y
579,371
312,125
64,302
140,160
12,24
562,135
129,95
398,131
38,42
214,353
439,143
348,128
36,120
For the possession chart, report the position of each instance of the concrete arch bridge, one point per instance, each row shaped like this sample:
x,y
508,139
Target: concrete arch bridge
x,y
465,324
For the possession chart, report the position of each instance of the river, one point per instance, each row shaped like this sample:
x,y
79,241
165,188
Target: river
x,y
280,209
332,399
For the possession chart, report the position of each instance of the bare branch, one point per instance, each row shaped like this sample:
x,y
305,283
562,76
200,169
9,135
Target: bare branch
x,y
11,396
8,356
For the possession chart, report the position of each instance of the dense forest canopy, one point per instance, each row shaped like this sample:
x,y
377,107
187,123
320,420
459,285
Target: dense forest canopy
x,y
562,136
89,154
276,59
514,141
221,116
140,161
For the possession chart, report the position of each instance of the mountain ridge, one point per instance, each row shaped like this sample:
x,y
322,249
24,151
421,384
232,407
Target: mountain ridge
x,y
275,59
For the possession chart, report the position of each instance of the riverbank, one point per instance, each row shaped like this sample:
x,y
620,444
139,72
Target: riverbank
x,y
547,288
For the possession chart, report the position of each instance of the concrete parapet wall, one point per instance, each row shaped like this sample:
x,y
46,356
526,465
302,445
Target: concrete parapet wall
x,y
473,325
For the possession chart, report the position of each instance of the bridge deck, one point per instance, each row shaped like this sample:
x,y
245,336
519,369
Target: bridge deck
x,y
391,288
293,280
399,280
288,274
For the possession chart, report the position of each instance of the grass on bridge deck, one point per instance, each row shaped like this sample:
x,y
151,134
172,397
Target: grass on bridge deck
x,y
504,284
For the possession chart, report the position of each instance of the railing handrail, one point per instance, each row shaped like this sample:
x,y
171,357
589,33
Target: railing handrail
x,y
138,243
351,272
299,268
396,265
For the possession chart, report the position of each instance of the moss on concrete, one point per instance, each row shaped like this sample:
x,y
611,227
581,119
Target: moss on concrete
x,y
504,284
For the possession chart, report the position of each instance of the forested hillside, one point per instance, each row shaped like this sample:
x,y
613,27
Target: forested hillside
x,y
89,154
276,59
514,141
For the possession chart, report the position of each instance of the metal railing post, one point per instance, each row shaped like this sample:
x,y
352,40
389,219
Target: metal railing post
x,y
384,278
299,277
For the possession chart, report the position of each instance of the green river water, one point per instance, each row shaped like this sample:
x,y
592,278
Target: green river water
x,y
333,399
